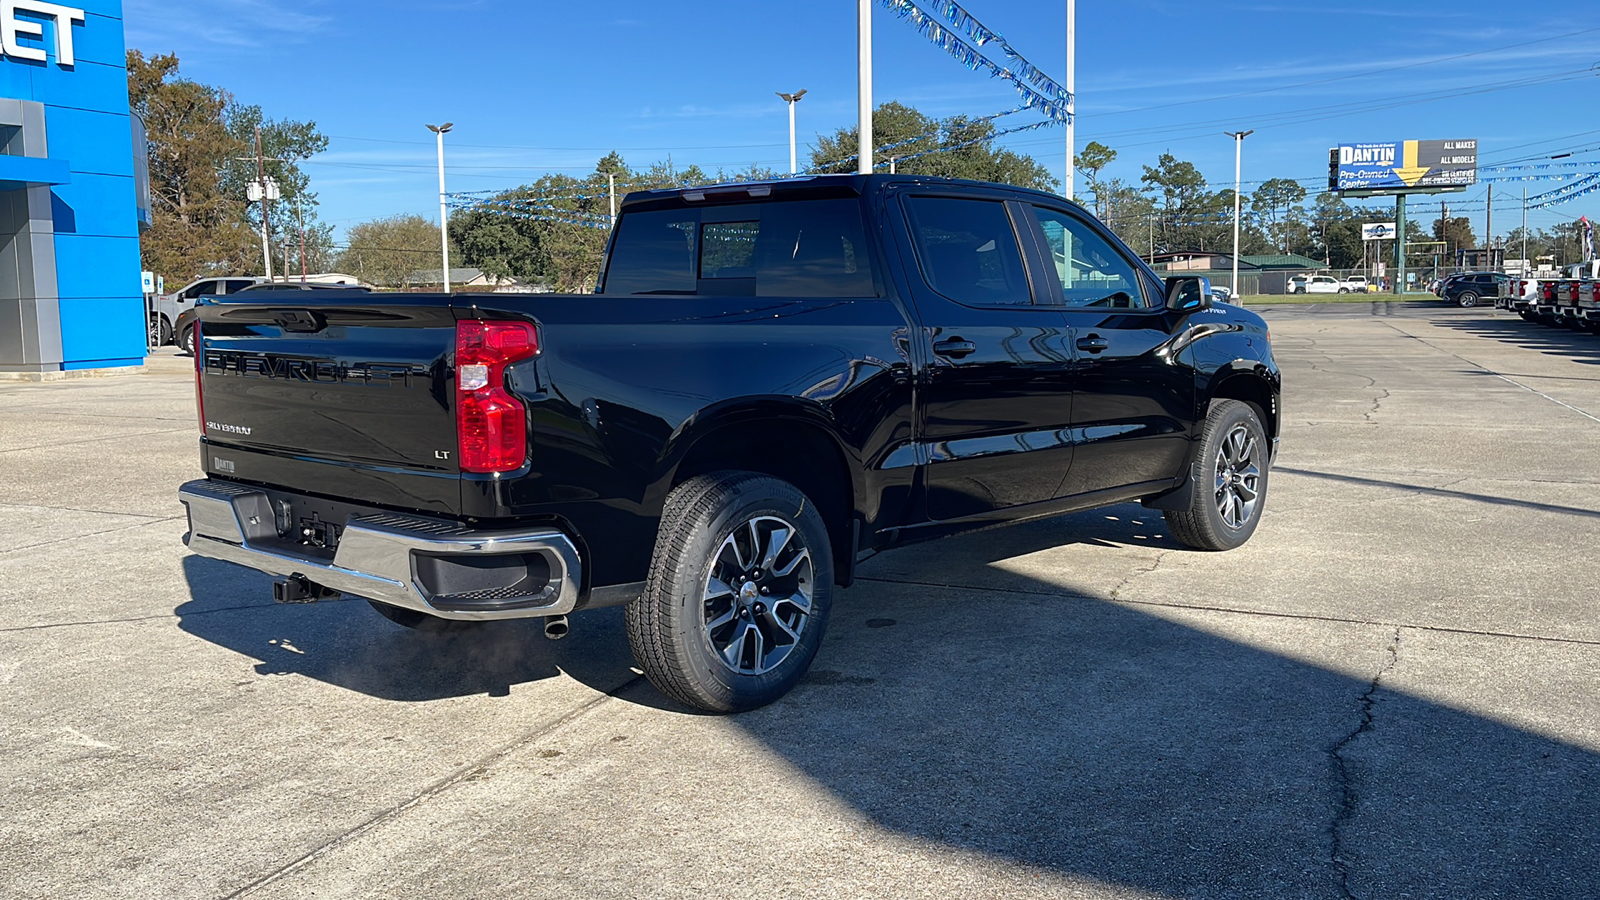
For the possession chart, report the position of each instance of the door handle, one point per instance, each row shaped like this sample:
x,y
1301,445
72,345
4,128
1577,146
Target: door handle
x,y
1094,343
955,348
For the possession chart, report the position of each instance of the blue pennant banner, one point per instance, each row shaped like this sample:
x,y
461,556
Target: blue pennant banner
x,y
1053,102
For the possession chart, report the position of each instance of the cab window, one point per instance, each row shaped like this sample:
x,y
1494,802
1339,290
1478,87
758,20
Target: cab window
x,y
969,251
1088,268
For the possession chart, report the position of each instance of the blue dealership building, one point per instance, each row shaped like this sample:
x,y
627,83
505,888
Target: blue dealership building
x,y
73,191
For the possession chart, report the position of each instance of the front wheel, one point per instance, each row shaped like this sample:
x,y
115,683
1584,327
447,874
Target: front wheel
x,y
1227,480
738,595
1344,290
1467,299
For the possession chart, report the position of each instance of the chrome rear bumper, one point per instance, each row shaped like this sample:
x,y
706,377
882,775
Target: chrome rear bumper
x,y
377,555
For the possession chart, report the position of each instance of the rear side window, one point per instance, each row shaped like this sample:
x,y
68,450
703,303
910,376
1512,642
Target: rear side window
x,y
798,248
969,251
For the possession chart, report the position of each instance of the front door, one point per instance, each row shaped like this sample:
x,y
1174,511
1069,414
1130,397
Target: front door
x,y
1133,383
997,394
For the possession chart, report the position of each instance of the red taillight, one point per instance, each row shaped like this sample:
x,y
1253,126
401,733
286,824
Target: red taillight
x,y
491,424
199,397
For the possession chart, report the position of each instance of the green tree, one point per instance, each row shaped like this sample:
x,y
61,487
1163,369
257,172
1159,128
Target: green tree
x,y
1094,158
390,251
955,147
1187,216
1275,203
1337,234
1456,233
197,227
197,134
284,144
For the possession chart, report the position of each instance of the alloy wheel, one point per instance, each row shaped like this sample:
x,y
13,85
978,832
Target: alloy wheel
x,y
758,595
1238,477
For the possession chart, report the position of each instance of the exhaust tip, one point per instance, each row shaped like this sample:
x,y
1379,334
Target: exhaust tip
x,y
556,627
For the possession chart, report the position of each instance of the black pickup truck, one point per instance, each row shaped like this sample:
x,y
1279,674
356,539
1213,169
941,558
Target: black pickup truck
x,y
773,382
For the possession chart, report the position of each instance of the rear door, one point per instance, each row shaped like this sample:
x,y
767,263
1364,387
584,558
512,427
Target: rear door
x,y
1133,390
996,400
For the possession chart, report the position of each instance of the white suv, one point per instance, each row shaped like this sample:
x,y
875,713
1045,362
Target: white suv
x,y
1315,284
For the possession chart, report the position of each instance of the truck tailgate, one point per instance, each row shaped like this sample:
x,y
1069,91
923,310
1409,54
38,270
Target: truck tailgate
x,y
348,395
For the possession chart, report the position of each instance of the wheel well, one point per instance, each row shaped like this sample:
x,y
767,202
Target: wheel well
x,y
1252,390
803,455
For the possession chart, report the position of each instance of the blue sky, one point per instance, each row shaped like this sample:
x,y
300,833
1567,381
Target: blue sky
x,y
546,86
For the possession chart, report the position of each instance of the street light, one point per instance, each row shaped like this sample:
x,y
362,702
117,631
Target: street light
x,y
1238,151
444,233
792,99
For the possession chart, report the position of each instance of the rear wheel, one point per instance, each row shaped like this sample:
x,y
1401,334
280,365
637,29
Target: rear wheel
x,y
738,594
186,340
1227,480
421,621
1467,299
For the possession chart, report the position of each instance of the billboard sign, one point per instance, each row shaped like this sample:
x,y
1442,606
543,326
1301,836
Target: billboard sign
x,y
1403,165
1377,231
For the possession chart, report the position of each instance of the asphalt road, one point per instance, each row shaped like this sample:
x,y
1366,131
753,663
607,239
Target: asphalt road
x,y
1390,692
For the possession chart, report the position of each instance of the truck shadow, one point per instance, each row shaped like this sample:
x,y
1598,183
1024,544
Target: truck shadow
x,y
961,702
1033,721
346,643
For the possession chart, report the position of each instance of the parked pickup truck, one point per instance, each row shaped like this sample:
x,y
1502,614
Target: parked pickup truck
x,y
773,382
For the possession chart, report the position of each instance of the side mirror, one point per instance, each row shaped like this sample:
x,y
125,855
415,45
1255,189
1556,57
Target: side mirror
x,y
1188,294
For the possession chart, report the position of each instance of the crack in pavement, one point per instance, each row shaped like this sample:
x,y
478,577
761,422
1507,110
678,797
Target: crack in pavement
x,y
1348,798
1137,574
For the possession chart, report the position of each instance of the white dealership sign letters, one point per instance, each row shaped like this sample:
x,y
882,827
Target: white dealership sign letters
x,y
12,27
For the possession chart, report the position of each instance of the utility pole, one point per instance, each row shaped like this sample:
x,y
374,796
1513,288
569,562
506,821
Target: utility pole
x,y
301,220
1525,265
266,217
863,87
444,221
611,181
1238,151
1072,91
1444,225
1488,229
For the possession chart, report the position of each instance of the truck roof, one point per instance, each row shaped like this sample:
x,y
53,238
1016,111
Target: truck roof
x,y
852,184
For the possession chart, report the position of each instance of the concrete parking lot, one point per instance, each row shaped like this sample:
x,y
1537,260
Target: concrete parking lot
x,y
1390,692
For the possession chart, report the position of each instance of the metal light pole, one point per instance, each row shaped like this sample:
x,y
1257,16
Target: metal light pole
x,y
792,99
863,86
444,231
1238,156
1072,104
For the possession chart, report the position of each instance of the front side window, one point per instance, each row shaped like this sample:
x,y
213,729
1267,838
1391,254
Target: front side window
x,y
204,287
1090,271
969,251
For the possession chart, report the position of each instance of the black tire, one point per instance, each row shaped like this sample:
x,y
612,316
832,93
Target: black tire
x,y
186,340
691,630
1344,290
1528,315
421,621
1210,523
160,330
1467,299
